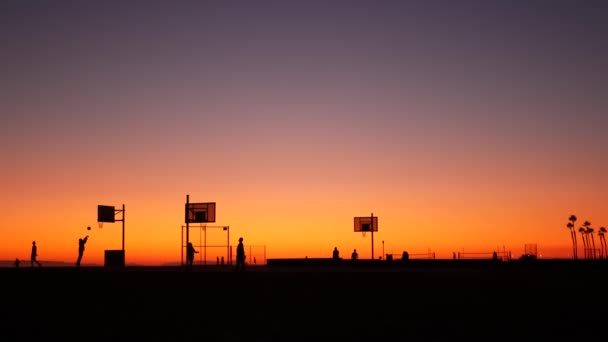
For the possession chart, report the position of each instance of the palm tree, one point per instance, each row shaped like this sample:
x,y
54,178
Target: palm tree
x,y
582,231
573,237
588,231
602,236
572,219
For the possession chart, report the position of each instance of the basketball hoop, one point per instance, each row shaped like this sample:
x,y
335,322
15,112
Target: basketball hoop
x,y
100,224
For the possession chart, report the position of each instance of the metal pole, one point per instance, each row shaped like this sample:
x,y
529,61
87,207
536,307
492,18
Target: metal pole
x,y
228,244
187,222
181,248
372,226
123,229
383,255
205,248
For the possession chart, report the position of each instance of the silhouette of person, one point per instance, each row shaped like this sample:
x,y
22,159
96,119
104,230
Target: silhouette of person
x,y
454,255
240,255
494,256
17,262
81,243
405,255
355,256
336,254
34,254
190,254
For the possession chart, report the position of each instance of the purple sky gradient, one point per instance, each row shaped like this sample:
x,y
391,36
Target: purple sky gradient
x,y
504,69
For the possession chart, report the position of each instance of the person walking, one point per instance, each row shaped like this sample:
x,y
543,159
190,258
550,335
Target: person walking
x,y
240,256
34,255
81,243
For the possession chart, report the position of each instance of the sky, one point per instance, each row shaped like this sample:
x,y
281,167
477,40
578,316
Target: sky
x,y
464,126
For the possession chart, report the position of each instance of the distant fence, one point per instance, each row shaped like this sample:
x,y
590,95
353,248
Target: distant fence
x,y
254,255
214,255
504,255
428,255
213,246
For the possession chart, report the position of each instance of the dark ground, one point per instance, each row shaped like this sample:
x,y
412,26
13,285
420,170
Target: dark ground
x,y
419,301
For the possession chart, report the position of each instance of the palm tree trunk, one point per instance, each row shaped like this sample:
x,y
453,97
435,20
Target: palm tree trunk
x,y
575,244
593,244
584,245
573,237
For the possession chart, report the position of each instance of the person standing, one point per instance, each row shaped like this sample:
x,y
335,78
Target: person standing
x,y
240,255
35,255
336,254
81,243
355,255
190,255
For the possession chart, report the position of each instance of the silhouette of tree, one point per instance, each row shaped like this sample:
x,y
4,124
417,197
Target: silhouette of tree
x,y
572,220
583,231
602,236
593,254
589,232
572,237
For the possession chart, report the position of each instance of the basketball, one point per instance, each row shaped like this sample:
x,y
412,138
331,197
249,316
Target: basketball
x,y
88,228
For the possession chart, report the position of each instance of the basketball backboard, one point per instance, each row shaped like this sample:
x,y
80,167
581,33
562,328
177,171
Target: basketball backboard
x,y
105,213
200,212
365,224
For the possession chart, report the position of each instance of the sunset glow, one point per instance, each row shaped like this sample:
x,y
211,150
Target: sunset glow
x,y
465,127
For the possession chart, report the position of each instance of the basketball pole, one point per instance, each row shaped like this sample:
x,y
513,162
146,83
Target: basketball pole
x,y
228,244
187,224
372,229
123,229
205,247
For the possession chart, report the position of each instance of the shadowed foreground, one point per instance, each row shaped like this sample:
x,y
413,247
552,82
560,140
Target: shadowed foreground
x,y
487,302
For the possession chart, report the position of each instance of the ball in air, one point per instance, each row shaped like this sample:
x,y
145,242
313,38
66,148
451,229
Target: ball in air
x,y
88,228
